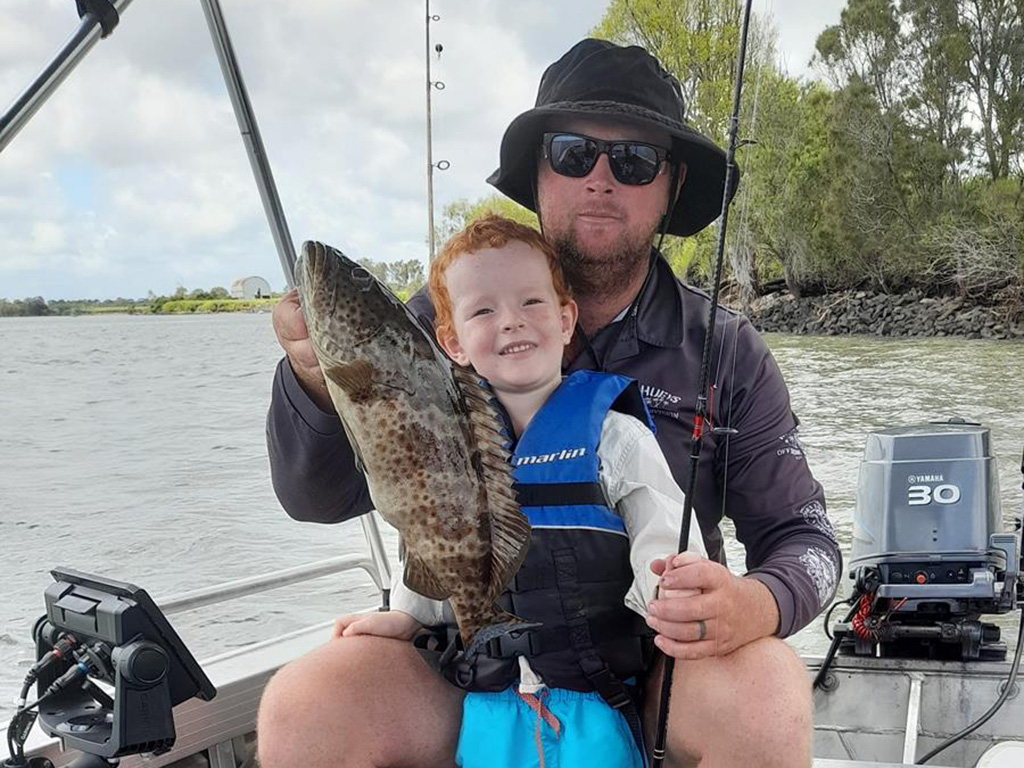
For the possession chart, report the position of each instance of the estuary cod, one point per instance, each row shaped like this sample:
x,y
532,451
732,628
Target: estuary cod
x,y
428,437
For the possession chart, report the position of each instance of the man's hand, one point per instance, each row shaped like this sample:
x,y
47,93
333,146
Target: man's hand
x,y
704,610
293,336
396,624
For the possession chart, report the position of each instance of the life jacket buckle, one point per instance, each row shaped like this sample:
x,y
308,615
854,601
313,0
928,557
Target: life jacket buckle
x,y
513,644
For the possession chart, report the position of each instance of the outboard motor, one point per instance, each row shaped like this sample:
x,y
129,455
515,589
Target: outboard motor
x,y
930,555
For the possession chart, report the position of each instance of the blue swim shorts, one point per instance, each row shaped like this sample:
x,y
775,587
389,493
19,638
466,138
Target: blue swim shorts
x,y
555,728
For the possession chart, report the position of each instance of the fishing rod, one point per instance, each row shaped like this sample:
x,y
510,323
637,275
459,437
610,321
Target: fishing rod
x,y
701,419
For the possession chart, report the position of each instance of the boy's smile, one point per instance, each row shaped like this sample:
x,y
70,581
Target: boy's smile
x,y
509,323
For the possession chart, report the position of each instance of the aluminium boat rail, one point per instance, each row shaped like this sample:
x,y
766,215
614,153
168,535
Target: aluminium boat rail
x,y
220,733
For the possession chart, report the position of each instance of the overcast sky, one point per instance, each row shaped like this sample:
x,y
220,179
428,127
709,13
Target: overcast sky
x,y
133,178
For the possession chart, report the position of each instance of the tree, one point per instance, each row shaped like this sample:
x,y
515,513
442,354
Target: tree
x,y
458,214
994,30
864,47
402,277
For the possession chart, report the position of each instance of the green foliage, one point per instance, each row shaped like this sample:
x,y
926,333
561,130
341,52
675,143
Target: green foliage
x,y
182,301
402,277
459,214
192,306
33,307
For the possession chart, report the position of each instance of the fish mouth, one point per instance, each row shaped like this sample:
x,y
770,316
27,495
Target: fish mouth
x,y
517,347
313,263
320,261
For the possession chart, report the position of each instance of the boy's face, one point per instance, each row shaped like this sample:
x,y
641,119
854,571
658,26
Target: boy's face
x,y
508,322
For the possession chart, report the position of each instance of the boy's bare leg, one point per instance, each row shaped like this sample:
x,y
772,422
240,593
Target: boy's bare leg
x,y
359,702
751,707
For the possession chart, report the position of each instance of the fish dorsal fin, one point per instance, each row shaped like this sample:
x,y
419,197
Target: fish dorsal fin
x,y
510,529
419,578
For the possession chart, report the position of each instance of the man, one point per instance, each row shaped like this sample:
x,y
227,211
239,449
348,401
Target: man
x,y
608,162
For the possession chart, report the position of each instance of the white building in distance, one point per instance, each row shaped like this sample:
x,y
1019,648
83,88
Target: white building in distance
x,y
250,288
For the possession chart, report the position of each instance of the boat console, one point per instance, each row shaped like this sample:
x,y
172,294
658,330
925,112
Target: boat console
x,y
109,670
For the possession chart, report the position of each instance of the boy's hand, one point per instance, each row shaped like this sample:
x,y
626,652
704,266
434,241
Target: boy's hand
x,y
703,610
396,624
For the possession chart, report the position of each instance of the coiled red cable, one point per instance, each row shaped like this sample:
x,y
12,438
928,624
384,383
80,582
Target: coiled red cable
x,y
859,628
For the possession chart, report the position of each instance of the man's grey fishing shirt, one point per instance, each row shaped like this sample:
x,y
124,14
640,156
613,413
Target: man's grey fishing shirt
x,y
758,477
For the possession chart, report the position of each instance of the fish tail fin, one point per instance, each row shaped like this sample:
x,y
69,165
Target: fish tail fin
x,y
476,635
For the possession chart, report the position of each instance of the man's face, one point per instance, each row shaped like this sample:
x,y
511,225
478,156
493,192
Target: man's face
x,y
601,226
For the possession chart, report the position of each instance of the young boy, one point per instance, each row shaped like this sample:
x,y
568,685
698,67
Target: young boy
x,y
597,491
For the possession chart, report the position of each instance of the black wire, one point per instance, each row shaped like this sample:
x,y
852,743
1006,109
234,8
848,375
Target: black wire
x,y
995,707
828,615
19,752
830,656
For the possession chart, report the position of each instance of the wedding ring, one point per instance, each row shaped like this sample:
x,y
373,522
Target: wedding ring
x,y
702,630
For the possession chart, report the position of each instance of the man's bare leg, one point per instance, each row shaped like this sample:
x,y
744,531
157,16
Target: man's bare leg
x,y
750,708
359,702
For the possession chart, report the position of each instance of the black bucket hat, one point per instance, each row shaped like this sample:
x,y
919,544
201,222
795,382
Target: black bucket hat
x,y
601,80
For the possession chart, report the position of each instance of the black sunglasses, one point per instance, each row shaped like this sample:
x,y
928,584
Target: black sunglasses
x,y
632,162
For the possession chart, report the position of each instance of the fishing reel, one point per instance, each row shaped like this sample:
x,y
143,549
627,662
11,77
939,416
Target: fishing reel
x,y
109,670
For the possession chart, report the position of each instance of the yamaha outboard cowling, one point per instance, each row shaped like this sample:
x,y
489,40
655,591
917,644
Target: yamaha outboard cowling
x,y
930,555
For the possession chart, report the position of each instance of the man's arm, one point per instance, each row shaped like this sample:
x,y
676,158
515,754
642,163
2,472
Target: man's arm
x,y
312,464
777,506
772,497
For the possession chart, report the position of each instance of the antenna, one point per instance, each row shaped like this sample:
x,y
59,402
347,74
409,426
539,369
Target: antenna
x,y
441,165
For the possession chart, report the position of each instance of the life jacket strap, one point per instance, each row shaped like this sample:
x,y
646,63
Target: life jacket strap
x,y
597,672
559,494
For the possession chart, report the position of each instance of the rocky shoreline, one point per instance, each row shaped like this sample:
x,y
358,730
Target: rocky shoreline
x,y
880,314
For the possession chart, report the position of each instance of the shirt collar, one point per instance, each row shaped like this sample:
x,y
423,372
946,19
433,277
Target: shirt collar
x,y
656,317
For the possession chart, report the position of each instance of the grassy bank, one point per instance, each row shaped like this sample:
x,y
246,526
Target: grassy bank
x,y
189,306
162,305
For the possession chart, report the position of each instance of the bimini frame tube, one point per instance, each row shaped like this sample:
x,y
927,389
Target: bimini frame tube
x,y
78,45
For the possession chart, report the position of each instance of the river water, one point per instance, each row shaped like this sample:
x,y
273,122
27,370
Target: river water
x,y
133,447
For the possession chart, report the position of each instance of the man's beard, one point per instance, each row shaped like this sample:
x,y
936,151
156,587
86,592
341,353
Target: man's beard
x,y
598,274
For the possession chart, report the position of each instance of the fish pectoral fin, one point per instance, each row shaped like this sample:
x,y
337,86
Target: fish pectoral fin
x,y
355,378
510,529
419,578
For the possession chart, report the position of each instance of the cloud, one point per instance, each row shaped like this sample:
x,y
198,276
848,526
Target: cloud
x,y
133,176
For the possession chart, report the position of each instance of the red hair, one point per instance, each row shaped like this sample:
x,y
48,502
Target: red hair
x,y
490,231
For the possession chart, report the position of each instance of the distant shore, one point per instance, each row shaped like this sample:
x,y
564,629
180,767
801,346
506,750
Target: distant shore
x,y
31,308
843,313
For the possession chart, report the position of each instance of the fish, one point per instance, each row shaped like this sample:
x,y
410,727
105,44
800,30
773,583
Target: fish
x,y
429,437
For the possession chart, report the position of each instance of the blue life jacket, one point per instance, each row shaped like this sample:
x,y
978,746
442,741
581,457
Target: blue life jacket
x,y
577,571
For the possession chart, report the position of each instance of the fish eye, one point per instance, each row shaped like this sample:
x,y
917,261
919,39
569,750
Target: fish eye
x,y
362,277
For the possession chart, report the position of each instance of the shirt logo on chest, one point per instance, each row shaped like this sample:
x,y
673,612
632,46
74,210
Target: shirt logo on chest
x,y
660,400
